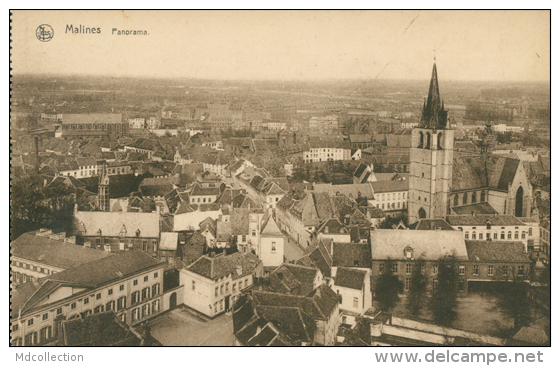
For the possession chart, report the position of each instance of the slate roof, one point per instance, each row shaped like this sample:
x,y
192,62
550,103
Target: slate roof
x,y
269,227
53,252
481,220
111,223
429,244
91,118
390,186
350,278
477,208
351,255
500,251
102,329
239,219
202,191
223,265
350,190
469,172
431,224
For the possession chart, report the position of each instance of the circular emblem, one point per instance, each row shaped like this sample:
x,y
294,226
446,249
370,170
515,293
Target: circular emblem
x,y
44,33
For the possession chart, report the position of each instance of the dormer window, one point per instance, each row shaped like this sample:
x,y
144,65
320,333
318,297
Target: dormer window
x,y
409,252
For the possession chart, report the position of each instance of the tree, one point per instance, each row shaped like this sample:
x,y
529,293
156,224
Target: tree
x,y
388,288
443,304
417,293
232,248
514,302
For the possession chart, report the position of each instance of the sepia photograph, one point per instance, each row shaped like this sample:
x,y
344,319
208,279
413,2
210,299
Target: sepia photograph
x,y
281,178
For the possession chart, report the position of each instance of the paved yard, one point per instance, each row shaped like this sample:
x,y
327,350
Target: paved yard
x,y
183,327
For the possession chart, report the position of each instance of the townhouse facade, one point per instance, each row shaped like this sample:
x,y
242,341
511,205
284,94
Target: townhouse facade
x,y
129,284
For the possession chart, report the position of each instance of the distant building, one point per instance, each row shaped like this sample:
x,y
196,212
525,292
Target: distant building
x,y
104,126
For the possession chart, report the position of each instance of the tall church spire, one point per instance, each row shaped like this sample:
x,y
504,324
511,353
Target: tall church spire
x,y
433,114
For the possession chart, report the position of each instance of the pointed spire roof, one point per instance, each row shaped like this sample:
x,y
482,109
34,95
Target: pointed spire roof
x,y
433,115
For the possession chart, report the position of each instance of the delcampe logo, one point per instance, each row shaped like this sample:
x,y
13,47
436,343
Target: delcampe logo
x,y
44,33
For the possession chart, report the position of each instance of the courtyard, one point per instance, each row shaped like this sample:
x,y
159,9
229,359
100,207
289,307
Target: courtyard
x,y
184,327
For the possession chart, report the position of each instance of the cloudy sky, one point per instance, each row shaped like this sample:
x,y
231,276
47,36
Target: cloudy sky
x,y
470,45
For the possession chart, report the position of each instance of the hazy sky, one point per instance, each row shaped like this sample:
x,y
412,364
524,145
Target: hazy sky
x,y
470,45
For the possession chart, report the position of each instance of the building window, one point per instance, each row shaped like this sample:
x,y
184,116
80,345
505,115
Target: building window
x,y
523,235
355,302
30,322
487,236
110,292
45,316
193,285
520,271
73,306
495,235
145,293
482,196
58,311
395,268
434,284
473,197
216,292
221,289
435,269
135,282
121,303
516,235
155,289
503,235
30,338
490,270
408,269
480,236
530,231
243,238
381,267
121,288
145,278
462,270
135,297
509,234
86,301
98,309
233,287
98,296
407,283
423,268
465,199
155,274
466,234
155,306
504,270
474,235
273,248
246,282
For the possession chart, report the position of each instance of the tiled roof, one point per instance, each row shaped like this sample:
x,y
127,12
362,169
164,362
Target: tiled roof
x,y
223,265
53,252
350,278
429,244
501,251
469,172
239,221
168,241
350,190
351,255
270,227
481,220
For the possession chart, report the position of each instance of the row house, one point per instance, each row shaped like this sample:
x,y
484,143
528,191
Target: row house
x,y
130,284
328,151
391,196
42,253
497,228
119,231
214,282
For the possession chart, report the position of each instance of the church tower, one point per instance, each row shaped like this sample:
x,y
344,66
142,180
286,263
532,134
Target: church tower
x,y
431,159
103,190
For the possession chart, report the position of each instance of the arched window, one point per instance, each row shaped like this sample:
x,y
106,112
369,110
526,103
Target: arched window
x,y
473,200
482,196
465,199
523,235
509,234
439,138
530,231
421,140
516,235
428,146
503,235
466,234
474,235
421,213
456,200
